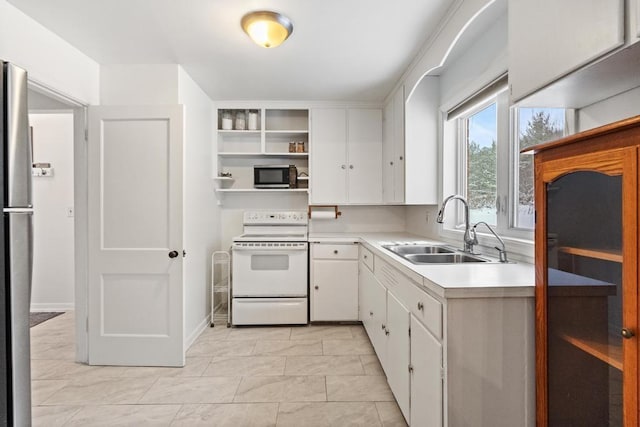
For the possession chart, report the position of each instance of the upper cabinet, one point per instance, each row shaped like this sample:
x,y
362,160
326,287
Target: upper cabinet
x,y
571,53
249,137
393,171
422,113
346,156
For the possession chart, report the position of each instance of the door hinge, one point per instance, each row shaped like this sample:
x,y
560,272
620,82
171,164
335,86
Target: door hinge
x,y
410,368
184,253
409,331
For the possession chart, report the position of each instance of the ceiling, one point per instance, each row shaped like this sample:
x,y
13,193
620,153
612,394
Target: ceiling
x,y
354,50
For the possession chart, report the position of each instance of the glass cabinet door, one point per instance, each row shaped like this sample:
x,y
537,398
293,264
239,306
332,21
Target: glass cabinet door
x,y
589,327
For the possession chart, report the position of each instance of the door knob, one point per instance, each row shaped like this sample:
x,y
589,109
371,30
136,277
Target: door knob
x,y
627,333
173,254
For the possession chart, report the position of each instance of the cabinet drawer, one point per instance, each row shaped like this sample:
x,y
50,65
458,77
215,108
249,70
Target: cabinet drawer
x,y
334,251
366,257
425,308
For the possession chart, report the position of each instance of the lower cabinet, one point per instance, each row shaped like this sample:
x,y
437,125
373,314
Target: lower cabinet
x,y
426,377
450,361
334,282
397,357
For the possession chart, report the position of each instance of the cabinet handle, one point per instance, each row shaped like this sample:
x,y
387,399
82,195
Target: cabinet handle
x,y
343,166
371,313
316,287
350,166
365,257
335,251
386,332
627,333
384,327
391,163
401,158
410,368
420,305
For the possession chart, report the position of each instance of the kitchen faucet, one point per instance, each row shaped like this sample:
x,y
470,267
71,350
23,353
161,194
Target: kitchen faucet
x,y
468,240
503,251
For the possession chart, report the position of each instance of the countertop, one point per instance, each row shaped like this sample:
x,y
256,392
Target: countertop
x,y
474,280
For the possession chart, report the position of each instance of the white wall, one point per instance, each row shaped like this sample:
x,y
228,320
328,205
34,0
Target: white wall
x,y
201,213
53,263
421,220
143,84
610,110
362,218
48,59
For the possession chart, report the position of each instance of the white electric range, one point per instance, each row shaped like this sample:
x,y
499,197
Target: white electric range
x,y
269,269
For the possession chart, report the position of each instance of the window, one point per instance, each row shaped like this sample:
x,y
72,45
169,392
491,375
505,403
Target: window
x,y
533,126
482,160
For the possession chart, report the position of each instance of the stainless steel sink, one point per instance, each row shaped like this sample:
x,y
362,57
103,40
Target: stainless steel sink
x,y
451,258
409,249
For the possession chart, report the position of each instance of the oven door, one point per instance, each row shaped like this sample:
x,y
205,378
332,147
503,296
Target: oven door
x,y
269,269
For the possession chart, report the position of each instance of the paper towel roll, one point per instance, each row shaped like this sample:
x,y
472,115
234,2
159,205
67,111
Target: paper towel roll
x,y
323,215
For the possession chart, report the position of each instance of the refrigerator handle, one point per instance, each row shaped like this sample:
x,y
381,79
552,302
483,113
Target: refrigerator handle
x,y
18,159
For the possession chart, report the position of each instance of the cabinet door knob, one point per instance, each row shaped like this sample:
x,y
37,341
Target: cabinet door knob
x,y
384,327
391,163
410,368
335,251
343,166
316,287
420,305
173,254
350,166
386,332
401,158
371,313
627,333
365,257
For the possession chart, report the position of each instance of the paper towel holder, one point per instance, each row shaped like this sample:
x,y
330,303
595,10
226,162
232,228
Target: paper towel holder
x,y
335,208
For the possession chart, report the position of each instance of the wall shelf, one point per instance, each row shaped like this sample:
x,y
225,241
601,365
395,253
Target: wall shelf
x,y
262,190
258,154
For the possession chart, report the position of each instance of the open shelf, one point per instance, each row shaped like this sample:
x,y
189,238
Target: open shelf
x,y
603,350
262,190
614,255
258,154
238,132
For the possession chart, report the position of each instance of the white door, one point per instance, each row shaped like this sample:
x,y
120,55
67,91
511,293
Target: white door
x,y
388,153
364,155
398,352
328,156
135,286
426,377
334,290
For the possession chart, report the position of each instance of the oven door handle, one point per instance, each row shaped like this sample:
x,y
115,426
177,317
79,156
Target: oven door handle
x,y
258,249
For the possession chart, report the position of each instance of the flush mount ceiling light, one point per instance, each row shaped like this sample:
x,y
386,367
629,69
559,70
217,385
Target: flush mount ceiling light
x,y
266,28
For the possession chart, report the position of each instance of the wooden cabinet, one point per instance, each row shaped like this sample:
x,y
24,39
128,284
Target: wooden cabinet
x,y
393,172
346,156
549,39
426,377
248,137
587,277
334,282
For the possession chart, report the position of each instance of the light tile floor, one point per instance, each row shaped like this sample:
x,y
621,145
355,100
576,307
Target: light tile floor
x,y
265,376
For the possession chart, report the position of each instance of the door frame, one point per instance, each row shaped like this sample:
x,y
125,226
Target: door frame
x,y
81,206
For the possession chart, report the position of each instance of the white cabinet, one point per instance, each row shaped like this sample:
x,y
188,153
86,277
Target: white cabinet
x,y
393,171
334,282
549,39
397,357
263,136
346,156
440,354
426,377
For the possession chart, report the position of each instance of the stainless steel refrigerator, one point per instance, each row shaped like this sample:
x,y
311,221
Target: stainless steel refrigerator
x,y
16,251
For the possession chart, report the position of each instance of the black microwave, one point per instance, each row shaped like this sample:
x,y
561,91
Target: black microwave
x,y
275,176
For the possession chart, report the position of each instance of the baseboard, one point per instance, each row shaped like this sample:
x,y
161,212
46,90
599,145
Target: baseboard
x,y
52,307
196,332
